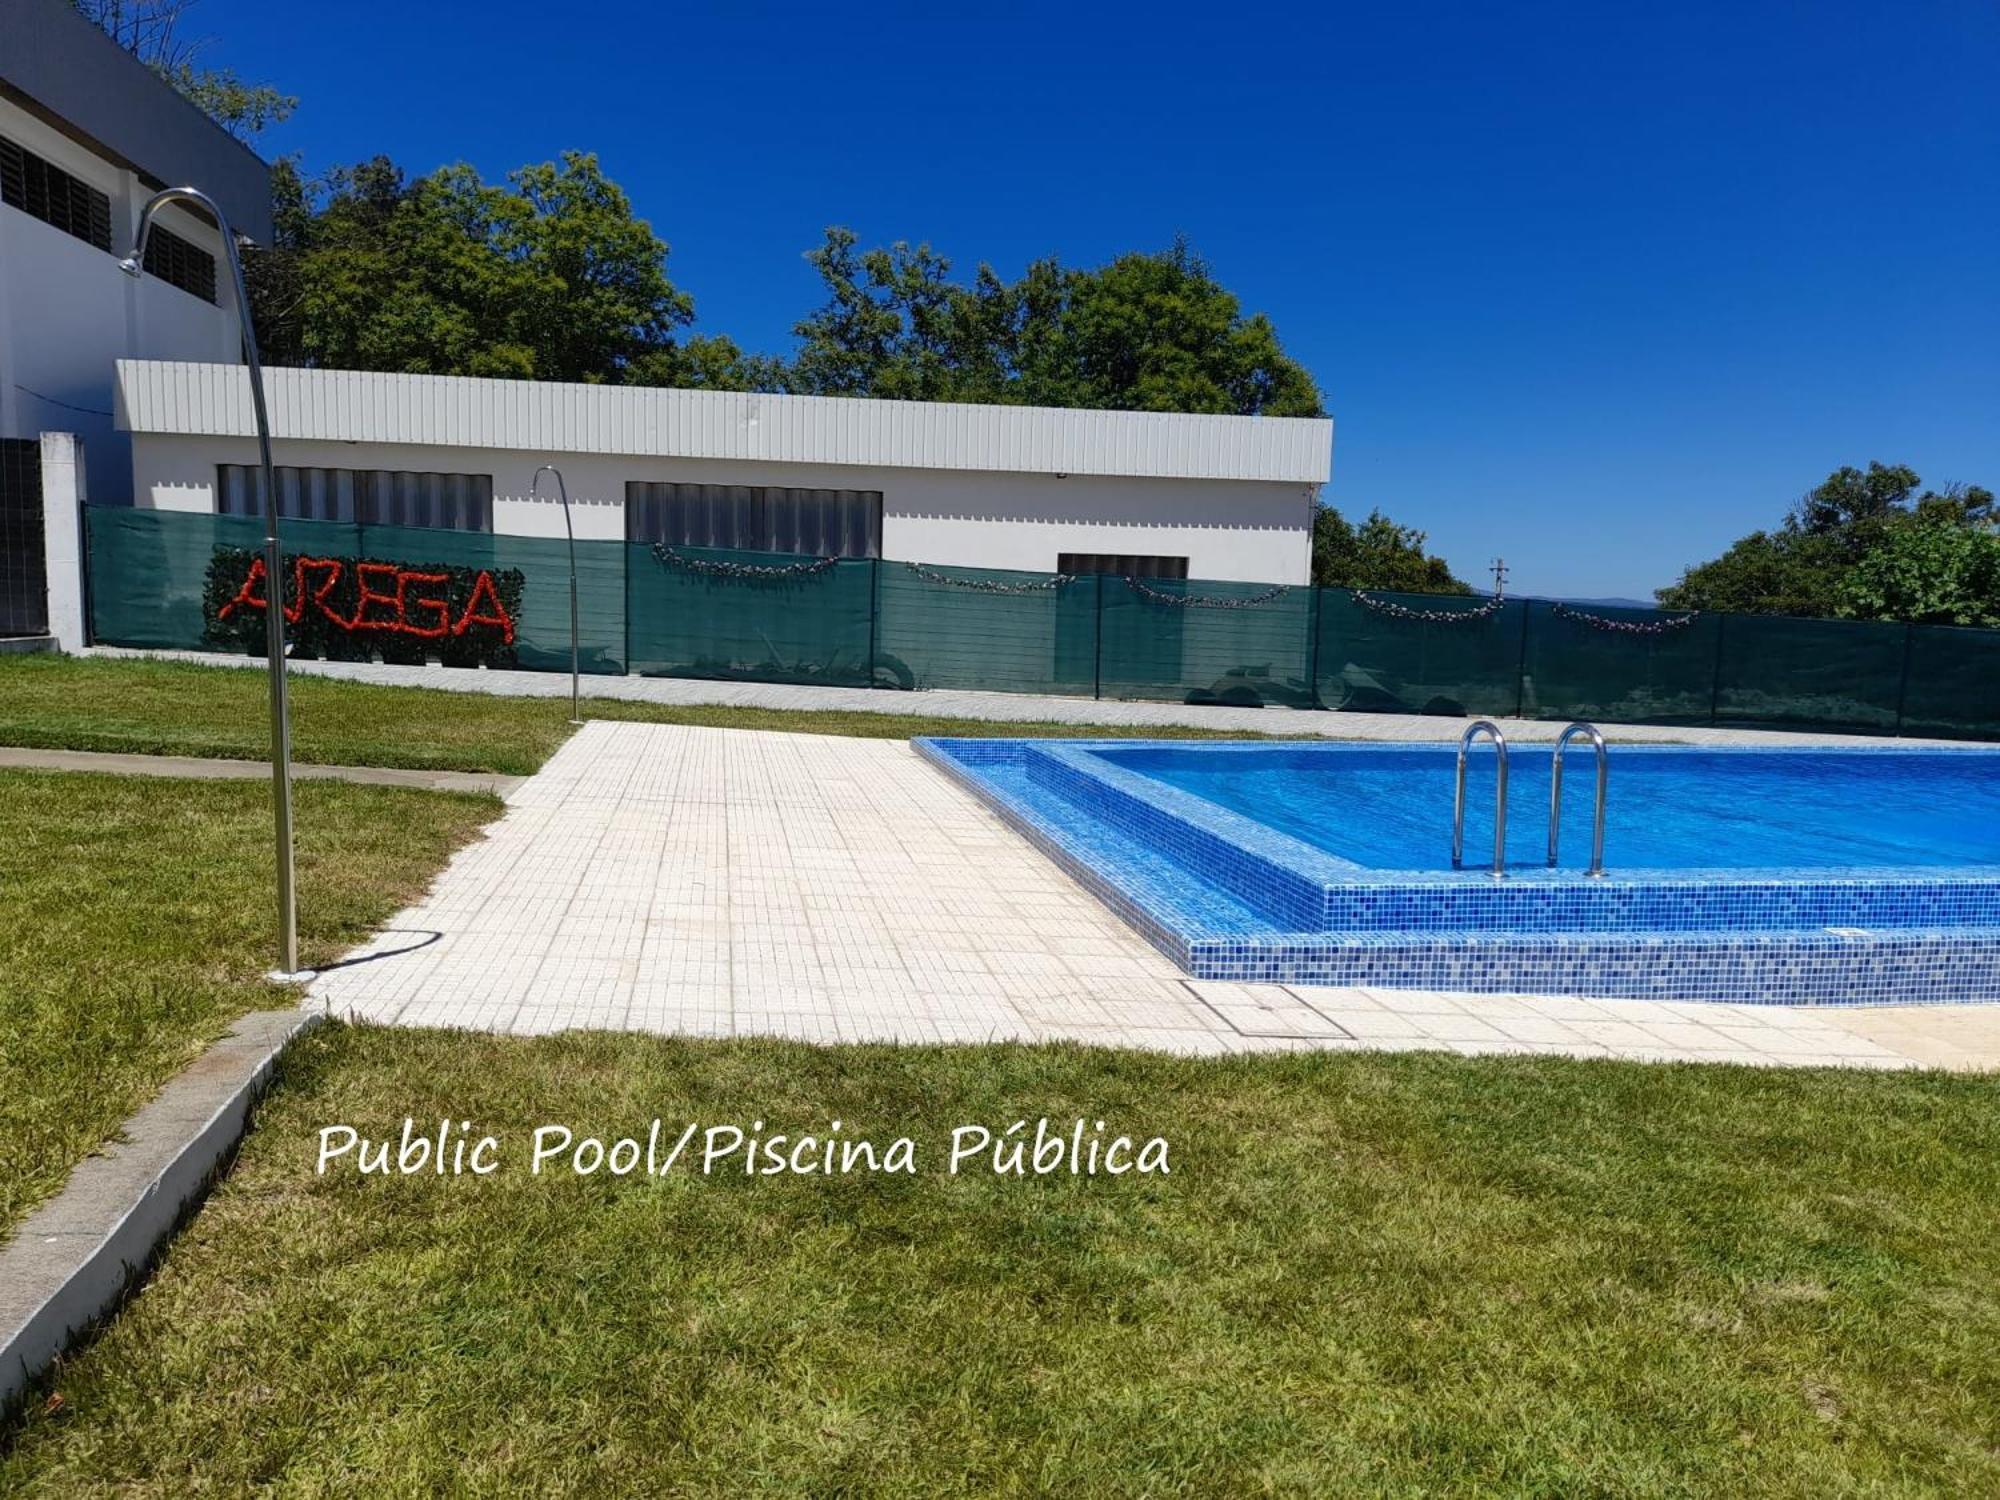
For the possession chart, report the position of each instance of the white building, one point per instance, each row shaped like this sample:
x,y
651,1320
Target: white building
x,y
87,134
983,486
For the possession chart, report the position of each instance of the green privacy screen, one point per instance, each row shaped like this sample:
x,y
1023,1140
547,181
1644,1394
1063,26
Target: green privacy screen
x,y
1199,641
1953,689
751,616
764,617
1623,666
986,629
1374,657
148,569
1812,674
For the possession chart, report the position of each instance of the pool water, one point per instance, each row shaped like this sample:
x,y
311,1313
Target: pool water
x,y
1666,809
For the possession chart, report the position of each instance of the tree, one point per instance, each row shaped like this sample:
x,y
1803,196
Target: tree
x,y
1159,333
1379,554
1856,545
150,31
1931,572
548,277
1144,333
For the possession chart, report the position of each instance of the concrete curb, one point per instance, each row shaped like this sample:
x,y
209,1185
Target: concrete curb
x,y
75,1258
205,768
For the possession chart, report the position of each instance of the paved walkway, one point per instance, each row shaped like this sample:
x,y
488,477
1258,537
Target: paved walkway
x,y
1004,708
730,883
202,768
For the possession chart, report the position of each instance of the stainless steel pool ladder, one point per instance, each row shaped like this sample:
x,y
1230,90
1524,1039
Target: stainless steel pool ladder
x,y
1482,726
1556,793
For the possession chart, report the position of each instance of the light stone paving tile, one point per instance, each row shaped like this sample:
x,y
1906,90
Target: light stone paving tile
x,y
1536,1029
716,883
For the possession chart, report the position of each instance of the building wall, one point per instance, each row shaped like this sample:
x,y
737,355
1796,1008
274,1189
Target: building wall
x,y
1249,530
67,312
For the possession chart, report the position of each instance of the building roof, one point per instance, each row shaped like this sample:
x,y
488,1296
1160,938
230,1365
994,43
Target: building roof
x,y
539,416
60,66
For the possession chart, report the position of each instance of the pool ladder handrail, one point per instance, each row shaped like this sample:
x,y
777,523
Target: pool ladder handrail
x,y
1556,794
1481,726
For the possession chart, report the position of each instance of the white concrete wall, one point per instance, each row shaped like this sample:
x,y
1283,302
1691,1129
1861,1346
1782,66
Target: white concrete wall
x,y
67,312
63,489
1250,530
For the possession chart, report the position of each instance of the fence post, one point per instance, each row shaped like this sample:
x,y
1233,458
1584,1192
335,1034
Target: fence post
x,y
1715,680
1097,643
1312,645
1903,687
64,541
874,615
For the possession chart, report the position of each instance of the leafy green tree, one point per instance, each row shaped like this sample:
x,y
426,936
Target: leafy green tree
x,y
549,276
1144,333
1782,572
149,30
1377,554
1931,572
1823,560
892,325
1159,333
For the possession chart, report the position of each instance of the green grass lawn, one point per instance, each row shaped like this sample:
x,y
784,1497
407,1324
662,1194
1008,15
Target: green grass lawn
x,y
1367,1274
181,708
136,918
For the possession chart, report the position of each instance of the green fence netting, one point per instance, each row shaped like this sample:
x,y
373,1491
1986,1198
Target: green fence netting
x,y
704,612
1953,688
753,616
1418,653
1204,641
1623,666
148,569
541,633
990,629
1834,674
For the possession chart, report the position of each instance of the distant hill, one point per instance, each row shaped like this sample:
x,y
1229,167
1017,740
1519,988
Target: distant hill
x,y
1596,603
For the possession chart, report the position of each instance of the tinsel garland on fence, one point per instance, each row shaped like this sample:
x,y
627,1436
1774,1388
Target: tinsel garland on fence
x,y
1397,611
1207,601
1624,627
348,609
990,585
748,572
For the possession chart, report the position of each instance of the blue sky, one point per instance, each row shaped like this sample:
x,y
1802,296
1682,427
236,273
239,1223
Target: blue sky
x,y
1599,287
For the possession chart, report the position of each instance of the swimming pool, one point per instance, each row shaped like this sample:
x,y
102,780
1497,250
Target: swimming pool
x,y
1768,876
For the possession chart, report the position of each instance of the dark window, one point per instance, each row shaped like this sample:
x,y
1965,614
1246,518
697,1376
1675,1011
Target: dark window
x,y
1123,565
48,193
756,518
179,263
373,497
24,594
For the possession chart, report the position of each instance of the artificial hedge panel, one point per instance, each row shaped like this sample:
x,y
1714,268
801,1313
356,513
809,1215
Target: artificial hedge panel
x,y
353,608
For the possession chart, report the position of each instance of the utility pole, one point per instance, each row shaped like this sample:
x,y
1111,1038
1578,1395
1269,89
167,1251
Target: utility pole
x,y
1499,578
